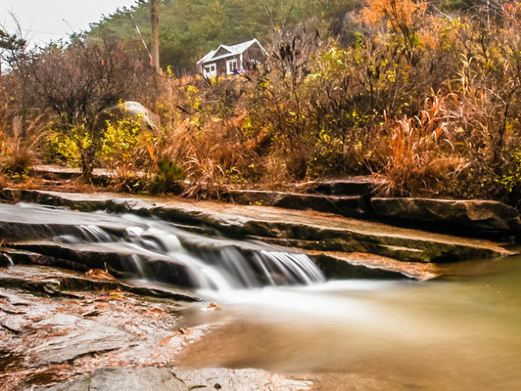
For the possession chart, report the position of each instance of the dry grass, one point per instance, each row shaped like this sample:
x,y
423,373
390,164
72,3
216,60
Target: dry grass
x,y
19,149
420,152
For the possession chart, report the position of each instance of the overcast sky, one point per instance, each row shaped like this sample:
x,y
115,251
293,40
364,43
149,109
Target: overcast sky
x,y
43,20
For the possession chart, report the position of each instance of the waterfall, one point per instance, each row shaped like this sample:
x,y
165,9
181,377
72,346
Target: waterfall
x,y
210,263
94,233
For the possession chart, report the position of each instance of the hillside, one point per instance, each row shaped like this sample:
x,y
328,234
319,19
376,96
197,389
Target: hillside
x,y
190,28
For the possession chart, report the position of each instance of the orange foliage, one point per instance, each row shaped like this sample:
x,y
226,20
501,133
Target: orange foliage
x,y
396,12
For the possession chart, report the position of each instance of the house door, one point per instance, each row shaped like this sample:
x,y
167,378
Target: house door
x,y
210,70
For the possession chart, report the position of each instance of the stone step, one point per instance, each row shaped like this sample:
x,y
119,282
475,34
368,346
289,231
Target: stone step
x,y
36,273
302,229
470,216
358,185
351,206
100,176
342,265
120,261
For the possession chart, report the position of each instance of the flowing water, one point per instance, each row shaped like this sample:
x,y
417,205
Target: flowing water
x,y
445,335
207,262
278,313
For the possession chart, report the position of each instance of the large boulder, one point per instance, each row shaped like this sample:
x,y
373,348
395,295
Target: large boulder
x,y
472,215
127,110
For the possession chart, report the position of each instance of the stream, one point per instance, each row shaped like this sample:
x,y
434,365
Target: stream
x,y
445,335
278,312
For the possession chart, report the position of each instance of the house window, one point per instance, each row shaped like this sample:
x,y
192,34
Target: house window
x,y
231,67
210,70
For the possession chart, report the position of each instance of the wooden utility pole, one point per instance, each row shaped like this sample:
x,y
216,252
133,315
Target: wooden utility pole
x,y
155,36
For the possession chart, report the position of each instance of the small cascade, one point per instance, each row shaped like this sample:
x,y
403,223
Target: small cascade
x,y
297,268
154,250
9,259
94,234
218,265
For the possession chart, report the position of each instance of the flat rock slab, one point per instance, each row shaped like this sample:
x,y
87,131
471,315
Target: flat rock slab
x,y
13,323
336,265
306,229
59,338
480,215
126,379
123,261
19,223
163,379
238,380
351,206
58,282
87,337
54,172
358,185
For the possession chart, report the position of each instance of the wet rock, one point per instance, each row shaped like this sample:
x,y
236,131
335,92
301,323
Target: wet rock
x,y
91,324
212,379
13,323
19,223
126,379
158,379
44,279
338,265
352,206
123,261
14,299
51,286
5,260
361,185
472,215
80,337
74,201
305,229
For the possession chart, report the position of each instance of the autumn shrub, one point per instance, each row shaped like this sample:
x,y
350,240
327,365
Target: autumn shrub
x,y
67,147
420,156
75,82
18,148
126,150
204,132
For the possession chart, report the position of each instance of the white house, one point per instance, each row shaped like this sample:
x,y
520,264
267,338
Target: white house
x,y
231,59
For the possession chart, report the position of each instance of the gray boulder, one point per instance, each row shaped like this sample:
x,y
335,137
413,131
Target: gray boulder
x,y
127,110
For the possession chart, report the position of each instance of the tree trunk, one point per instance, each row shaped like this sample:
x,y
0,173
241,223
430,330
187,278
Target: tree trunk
x,y
155,36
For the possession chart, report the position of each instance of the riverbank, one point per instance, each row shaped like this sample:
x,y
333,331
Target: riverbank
x,y
56,333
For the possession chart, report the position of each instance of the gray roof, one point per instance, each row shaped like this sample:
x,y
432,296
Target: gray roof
x,y
233,50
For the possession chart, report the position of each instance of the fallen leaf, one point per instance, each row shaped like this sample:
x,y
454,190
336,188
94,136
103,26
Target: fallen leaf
x,y
99,274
